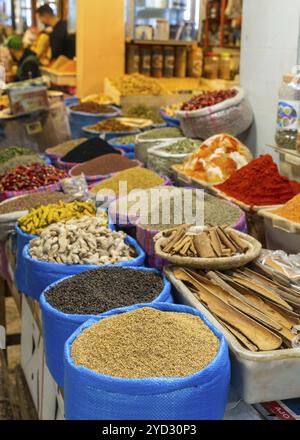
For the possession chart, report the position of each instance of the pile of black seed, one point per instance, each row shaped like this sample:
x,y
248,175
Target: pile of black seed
x,y
89,150
99,290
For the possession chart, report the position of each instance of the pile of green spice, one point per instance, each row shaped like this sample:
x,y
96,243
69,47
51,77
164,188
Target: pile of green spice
x,y
123,140
162,133
11,152
146,343
217,212
185,146
144,112
99,290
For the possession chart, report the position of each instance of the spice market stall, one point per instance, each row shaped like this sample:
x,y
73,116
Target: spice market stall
x,y
86,260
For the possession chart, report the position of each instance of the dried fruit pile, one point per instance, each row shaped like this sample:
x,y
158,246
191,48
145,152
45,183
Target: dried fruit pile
x,y
208,99
30,177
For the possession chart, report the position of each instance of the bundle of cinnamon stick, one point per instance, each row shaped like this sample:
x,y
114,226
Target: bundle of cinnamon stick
x,y
216,242
261,314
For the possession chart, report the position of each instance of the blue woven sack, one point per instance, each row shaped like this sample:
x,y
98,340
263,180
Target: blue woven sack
x,y
40,274
23,239
129,149
59,326
201,396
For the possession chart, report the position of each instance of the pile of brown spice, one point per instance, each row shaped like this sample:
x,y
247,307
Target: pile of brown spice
x,y
111,125
103,165
93,108
29,201
146,343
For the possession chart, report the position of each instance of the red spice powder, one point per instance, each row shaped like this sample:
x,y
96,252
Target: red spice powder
x,y
259,183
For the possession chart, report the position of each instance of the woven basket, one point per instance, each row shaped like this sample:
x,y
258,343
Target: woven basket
x,y
224,263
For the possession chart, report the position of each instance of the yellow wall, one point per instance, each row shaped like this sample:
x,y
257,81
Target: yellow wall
x,y
100,43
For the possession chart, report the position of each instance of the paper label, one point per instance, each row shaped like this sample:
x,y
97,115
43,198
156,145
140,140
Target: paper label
x,y
288,115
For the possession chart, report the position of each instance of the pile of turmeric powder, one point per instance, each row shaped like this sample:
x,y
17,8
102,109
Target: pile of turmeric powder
x,y
291,210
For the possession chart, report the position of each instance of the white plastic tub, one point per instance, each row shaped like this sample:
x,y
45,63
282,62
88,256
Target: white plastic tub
x,y
280,233
256,377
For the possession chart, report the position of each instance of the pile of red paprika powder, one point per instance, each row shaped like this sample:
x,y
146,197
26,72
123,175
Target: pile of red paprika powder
x,y
30,177
260,184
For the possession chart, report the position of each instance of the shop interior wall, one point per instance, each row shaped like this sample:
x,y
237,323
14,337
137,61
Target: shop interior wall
x,y
269,49
100,43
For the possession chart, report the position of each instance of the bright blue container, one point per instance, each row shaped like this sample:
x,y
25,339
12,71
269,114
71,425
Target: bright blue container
x,y
201,396
40,274
23,240
59,326
78,120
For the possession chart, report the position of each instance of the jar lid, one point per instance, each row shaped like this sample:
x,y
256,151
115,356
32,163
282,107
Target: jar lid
x,y
225,55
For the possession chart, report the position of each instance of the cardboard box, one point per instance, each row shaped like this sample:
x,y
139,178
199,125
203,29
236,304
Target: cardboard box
x,y
47,397
32,353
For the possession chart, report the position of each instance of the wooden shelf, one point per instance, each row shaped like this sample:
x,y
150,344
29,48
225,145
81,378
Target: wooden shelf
x,y
163,42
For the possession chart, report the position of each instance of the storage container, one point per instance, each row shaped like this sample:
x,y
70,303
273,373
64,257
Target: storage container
x,y
157,62
211,65
201,396
280,233
256,377
59,326
161,162
132,58
288,116
40,274
169,61
181,62
233,116
225,72
78,120
145,61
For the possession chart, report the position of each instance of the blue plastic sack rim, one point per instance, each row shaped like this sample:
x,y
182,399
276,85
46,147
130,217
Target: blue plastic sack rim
x,y
128,240
24,234
78,318
145,385
115,111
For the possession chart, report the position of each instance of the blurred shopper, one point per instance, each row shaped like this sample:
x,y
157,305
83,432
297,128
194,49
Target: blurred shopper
x,y
59,38
26,60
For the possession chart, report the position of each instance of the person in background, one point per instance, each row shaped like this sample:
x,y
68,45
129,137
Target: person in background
x,y
59,39
27,62
41,47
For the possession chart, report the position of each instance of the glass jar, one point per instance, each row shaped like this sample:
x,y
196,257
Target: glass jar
x,y
211,65
157,61
225,66
145,61
288,116
169,61
133,59
181,62
195,61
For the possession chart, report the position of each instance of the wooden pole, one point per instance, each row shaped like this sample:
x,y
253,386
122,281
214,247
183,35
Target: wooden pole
x,y
33,12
